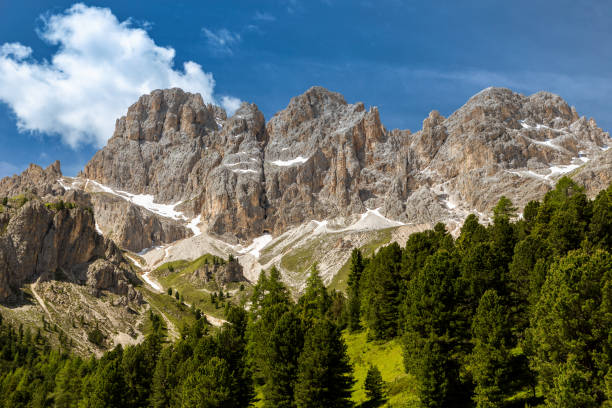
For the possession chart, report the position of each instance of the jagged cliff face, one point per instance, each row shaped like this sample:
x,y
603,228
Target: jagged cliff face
x,y
34,180
322,158
176,148
40,242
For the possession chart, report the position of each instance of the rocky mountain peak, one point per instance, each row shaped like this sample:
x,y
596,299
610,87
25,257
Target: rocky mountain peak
x,y
169,114
312,104
34,179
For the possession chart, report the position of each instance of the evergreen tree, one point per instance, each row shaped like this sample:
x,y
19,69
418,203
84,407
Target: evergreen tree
x,y
315,302
436,337
209,386
490,359
504,208
381,292
438,375
600,226
374,385
354,300
570,329
164,381
324,374
472,232
231,345
270,301
286,342
106,387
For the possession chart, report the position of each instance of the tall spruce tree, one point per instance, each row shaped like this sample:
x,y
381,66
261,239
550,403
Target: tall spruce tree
x,y
374,385
324,373
270,301
381,290
435,334
209,386
315,302
354,299
570,330
490,359
286,342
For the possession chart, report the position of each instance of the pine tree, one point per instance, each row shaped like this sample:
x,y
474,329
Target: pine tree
x,y
374,384
324,374
106,386
380,294
286,342
354,300
209,386
270,301
490,358
436,336
600,226
570,329
315,302
472,232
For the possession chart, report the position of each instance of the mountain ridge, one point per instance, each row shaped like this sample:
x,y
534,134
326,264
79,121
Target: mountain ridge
x,y
321,157
180,175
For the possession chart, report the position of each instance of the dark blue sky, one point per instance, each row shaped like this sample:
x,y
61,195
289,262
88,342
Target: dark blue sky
x,y
405,57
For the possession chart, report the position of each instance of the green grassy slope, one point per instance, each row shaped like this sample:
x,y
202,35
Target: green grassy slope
x,y
387,356
177,275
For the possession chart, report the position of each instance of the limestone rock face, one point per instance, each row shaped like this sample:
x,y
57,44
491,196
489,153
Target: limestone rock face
x,y
322,158
173,146
41,242
33,180
233,192
132,227
501,142
596,175
157,145
325,158
221,274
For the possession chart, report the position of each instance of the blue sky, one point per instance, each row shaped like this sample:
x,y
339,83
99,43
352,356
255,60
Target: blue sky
x,y
67,72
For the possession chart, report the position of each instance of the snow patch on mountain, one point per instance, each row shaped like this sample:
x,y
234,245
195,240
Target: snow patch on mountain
x,y
257,245
193,225
146,201
284,163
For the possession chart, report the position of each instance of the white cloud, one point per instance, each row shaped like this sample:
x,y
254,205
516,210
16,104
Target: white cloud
x,y
263,16
16,50
222,40
230,104
101,67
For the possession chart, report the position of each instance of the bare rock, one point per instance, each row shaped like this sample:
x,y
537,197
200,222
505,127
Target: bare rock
x,y
39,241
322,157
33,180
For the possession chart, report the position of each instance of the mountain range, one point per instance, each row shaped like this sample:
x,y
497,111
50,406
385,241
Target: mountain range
x,y
179,179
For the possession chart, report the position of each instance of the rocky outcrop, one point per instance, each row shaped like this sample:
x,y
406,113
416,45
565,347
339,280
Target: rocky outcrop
x,y
175,147
222,274
322,157
596,175
33,180
38,241
132,227
157,145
